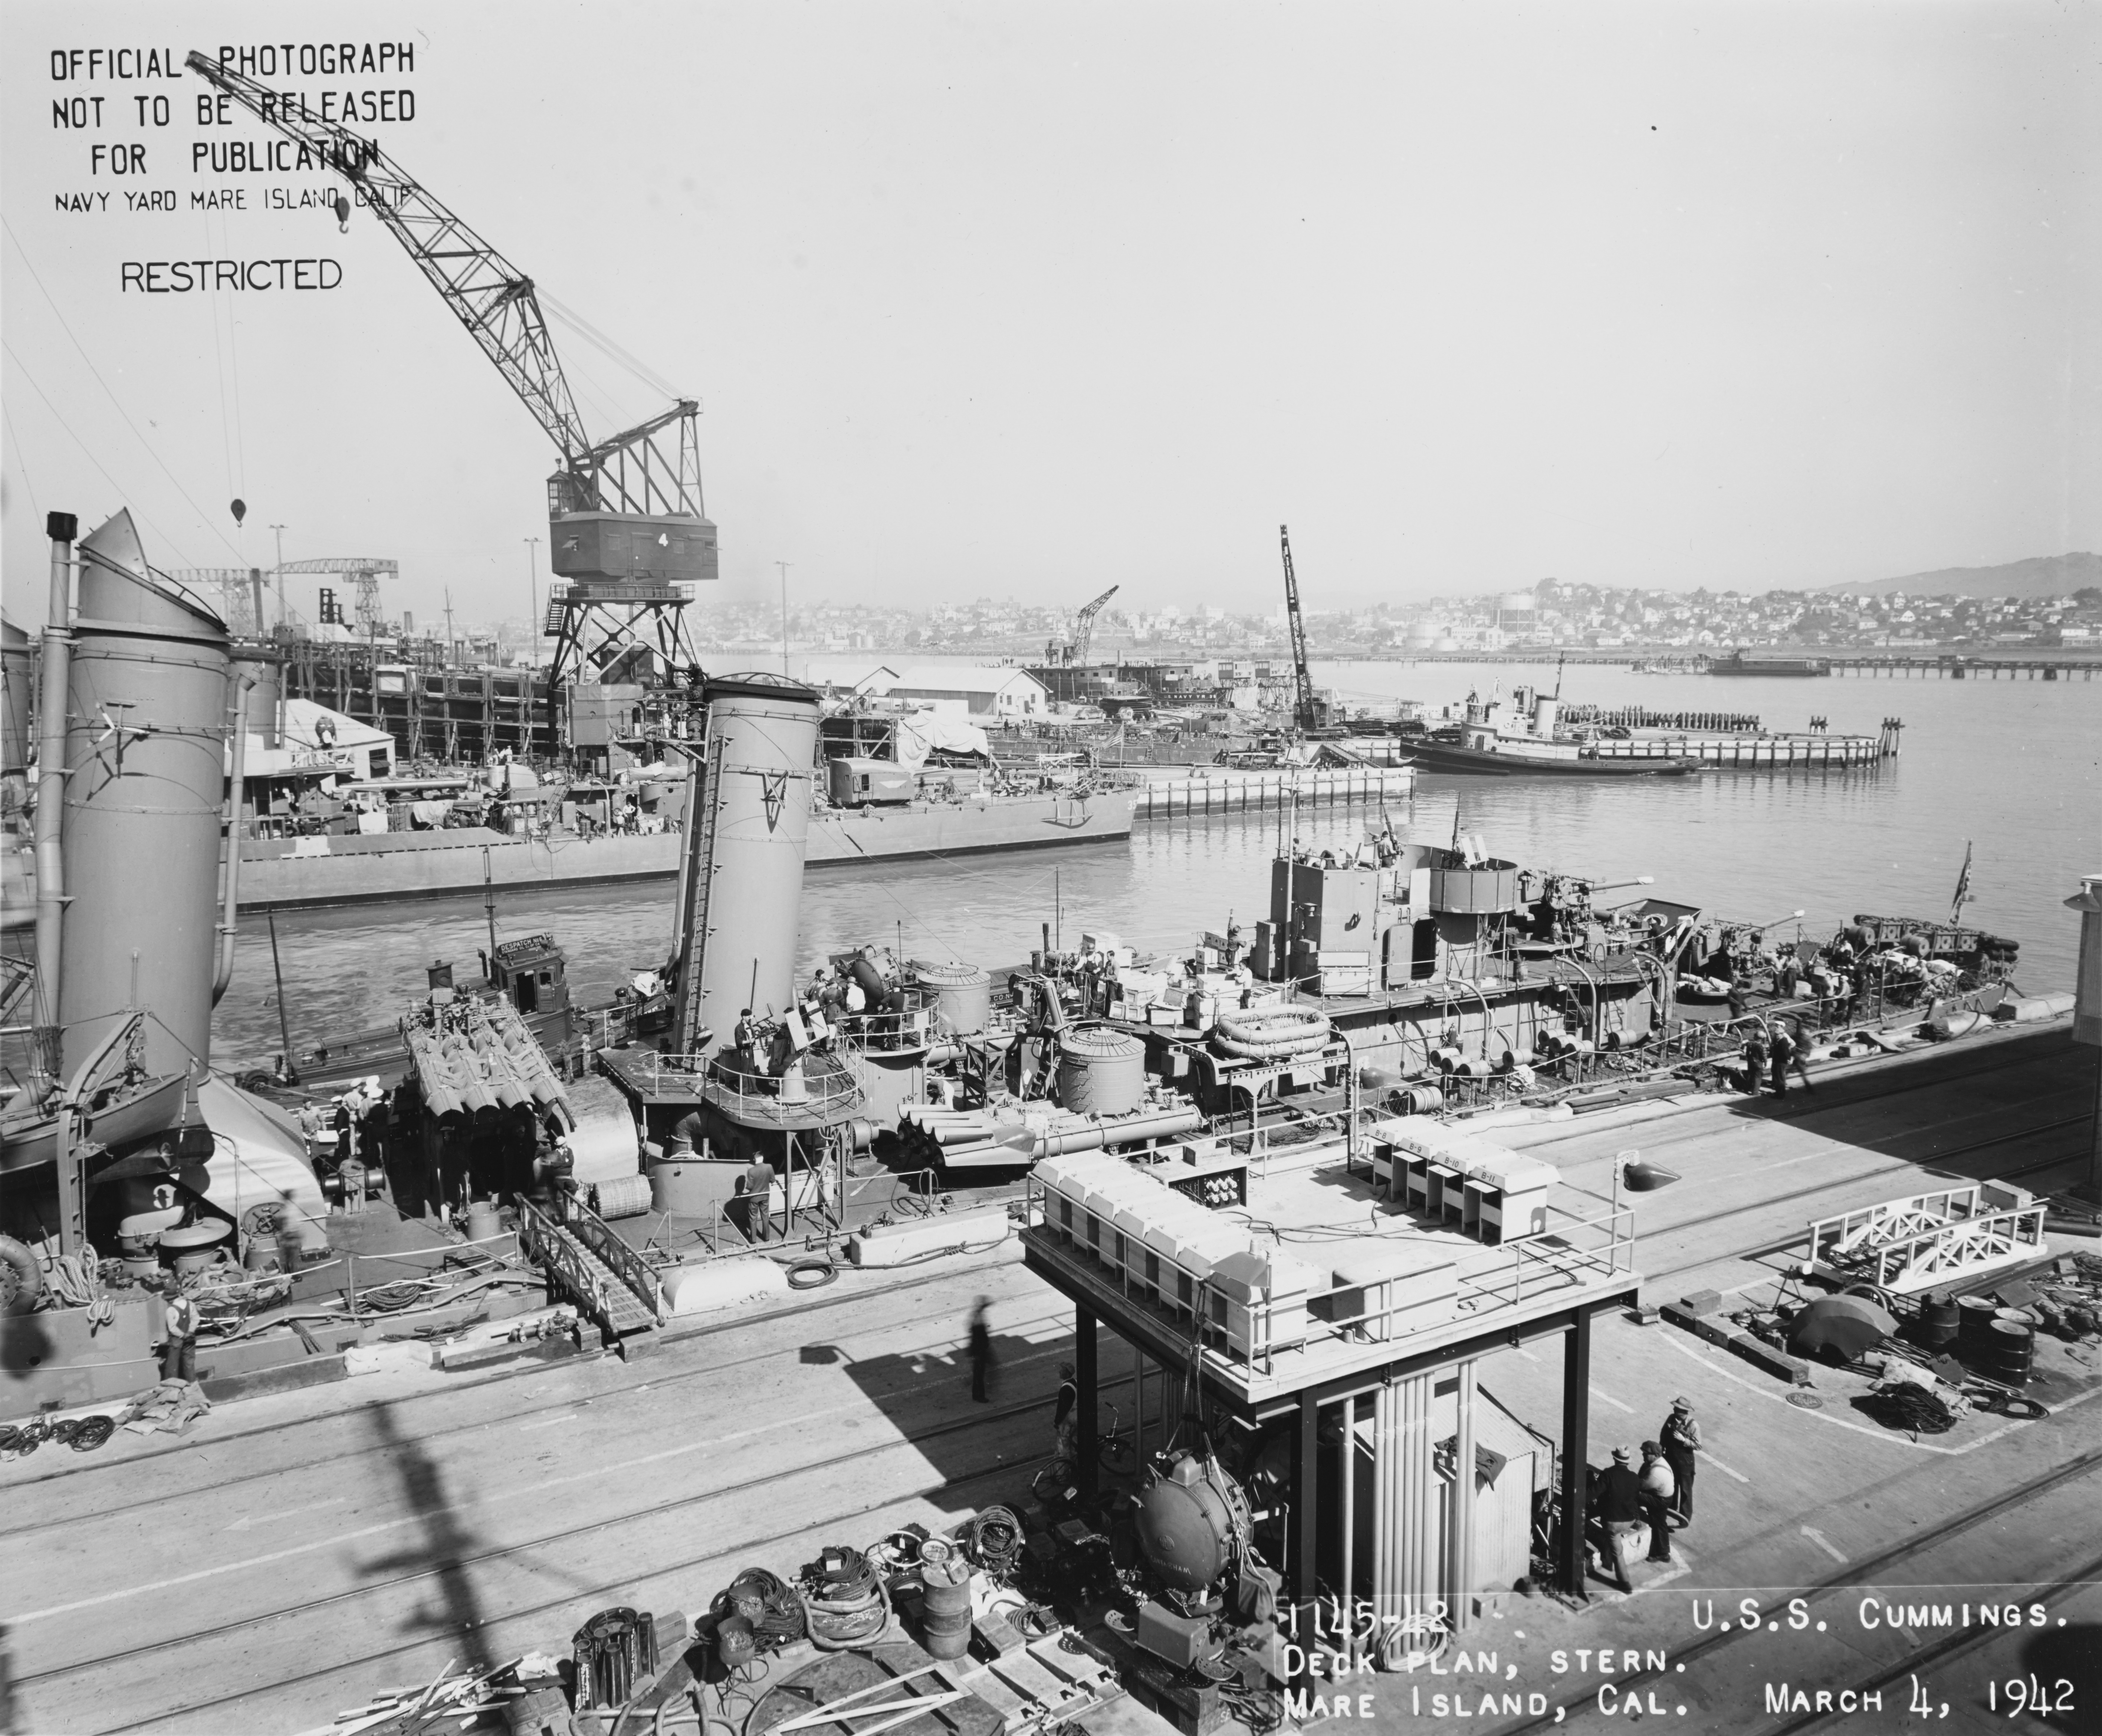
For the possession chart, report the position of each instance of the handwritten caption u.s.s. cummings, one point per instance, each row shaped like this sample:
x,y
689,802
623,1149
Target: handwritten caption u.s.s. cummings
x,y
140,138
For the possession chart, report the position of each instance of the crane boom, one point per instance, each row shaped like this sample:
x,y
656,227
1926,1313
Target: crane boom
x,y
1083,625
625,522
488,294
496,303
1306,710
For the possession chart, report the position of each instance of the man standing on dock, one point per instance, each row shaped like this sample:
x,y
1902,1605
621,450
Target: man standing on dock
x,y
1680,1437
981,1338
1619,1514
1659,1489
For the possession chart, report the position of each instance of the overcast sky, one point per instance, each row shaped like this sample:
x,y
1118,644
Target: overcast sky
x,y
1030,299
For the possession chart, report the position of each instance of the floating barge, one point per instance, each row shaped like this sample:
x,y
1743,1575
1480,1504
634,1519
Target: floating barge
x,y
1814,749
1236,792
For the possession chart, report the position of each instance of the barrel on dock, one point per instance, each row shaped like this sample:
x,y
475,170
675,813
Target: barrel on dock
x,y
1975,1314
945,1607
2009,1353
1939,1320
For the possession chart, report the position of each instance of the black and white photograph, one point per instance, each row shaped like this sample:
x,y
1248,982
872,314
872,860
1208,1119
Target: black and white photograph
x,y
1052,869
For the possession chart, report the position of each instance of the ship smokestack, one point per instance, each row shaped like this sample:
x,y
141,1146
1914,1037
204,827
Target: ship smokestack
x,y
741,881
61,528
142,773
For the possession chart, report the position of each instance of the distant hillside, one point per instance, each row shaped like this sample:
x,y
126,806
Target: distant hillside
x,y
2041,575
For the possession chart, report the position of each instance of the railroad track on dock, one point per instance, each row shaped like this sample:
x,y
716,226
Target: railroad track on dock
x,y
1855,1573
649,1375
1868,1068
1915,1165
626,1586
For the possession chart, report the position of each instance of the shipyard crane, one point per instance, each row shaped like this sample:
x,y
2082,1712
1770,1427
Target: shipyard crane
x,y
626,524
240,589
1307,711
1084,626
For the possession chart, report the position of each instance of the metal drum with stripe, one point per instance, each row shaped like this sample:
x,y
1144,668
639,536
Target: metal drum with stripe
x,y
1939,1320
1975,1314
2010,1354
946,1609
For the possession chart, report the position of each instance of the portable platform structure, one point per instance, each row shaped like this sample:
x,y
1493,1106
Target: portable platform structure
x,y
1395,1322
1928,1240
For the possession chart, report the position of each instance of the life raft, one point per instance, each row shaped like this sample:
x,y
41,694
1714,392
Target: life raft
x,y
1270,1033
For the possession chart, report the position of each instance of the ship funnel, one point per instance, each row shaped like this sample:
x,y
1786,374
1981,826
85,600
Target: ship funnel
x,y
146,704
740,879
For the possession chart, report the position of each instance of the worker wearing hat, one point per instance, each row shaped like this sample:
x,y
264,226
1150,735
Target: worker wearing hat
x,y
1680,1437
179,1355
1619,1512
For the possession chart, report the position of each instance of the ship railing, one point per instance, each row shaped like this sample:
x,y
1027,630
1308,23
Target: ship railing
x,y
622,1260
887,1189
539,1239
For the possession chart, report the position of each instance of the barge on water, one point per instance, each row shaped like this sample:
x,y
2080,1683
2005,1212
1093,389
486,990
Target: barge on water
x,y
1737,663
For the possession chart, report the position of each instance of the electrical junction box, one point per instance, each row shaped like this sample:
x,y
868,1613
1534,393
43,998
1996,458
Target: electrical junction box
x,y
1181,1640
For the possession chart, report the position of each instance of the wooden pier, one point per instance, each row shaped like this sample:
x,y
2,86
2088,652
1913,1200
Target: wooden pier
x,y
1249,792
1969,668
1814,751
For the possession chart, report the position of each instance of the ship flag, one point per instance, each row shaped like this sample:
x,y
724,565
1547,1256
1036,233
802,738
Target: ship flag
x,y
1963,893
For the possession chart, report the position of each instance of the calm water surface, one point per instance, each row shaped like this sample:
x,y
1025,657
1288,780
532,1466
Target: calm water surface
x,y
2015,766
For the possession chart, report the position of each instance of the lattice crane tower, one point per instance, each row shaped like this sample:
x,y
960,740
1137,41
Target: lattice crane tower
x,y
626,524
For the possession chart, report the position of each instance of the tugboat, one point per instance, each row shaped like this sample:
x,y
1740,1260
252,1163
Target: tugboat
x,y
1526,742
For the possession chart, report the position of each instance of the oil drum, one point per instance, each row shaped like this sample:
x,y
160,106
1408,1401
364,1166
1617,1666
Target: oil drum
x,y
1977,1314
946,1608
1939,1320
2010,1354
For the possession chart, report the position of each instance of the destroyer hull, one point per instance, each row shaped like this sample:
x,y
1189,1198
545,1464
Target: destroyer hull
x,y
307,872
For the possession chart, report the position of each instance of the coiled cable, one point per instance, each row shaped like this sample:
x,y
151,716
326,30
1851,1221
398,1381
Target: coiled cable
x,y
846,1604
768,1602
995,1539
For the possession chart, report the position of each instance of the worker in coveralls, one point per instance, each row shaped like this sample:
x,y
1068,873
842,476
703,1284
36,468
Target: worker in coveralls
x,y
756,1185
1680,1437
179,1355
1756,1052
291,1243
1659,1488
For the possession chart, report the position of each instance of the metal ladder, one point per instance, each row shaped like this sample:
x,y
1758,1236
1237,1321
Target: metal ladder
x,y
696,879
585,1260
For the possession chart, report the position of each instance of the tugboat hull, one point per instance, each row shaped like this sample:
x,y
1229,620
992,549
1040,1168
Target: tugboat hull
x,y
1439,756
